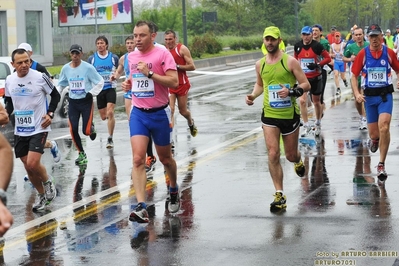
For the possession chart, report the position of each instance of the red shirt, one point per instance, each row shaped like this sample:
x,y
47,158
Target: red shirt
x,y
179,59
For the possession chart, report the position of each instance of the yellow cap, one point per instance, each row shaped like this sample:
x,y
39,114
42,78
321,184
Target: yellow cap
x,y
272,31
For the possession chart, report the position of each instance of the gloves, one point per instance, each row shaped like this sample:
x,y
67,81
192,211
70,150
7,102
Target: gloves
x,y
313,66
89,96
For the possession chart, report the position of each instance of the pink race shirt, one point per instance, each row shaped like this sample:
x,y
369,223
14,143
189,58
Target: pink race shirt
x,y
145,92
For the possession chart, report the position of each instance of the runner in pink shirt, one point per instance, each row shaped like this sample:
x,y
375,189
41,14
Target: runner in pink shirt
x,y
152,72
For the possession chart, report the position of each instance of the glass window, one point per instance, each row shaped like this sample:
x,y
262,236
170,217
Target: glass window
x,y
33,30
4,70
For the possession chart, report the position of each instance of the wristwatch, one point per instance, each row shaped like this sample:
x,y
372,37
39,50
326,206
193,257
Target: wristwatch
x,y
3,196
50,114
150,73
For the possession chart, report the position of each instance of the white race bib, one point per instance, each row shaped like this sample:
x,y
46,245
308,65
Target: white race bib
x,y
25,121
77,85
377,74
275,101
142,86
304,64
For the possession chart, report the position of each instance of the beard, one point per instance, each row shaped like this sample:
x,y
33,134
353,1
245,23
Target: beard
x,y
273,50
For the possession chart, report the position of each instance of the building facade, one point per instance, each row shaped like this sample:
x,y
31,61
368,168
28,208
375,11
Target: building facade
x,y
27,21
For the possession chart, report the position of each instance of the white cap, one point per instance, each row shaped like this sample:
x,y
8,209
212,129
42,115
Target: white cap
x,y
25,46
388,30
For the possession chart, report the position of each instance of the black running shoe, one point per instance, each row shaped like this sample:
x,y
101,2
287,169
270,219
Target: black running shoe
x,y
139,214
93,132
279,203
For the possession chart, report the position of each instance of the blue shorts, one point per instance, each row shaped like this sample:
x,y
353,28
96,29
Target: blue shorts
x,y
128,95
375,106
157,124
340,66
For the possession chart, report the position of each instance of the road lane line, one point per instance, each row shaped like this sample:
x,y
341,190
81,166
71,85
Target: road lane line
x,y
16,235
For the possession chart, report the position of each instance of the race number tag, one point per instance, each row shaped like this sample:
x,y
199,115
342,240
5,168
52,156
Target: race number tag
x,y
24,121
77,86
304,64
275,101
377,76
142,87
106,76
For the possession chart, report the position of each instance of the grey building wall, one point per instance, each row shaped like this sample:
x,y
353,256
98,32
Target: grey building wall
x,y
45,57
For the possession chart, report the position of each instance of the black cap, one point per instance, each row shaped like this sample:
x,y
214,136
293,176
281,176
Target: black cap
x,y
374,29
76,48
333,27
318,26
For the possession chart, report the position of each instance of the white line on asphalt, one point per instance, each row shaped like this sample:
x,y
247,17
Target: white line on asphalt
x,y
62,214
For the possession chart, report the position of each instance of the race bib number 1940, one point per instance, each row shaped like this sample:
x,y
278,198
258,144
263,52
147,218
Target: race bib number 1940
x,y
25,121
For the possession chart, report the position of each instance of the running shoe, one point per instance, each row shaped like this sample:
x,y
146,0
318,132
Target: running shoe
x,y
55,152
174,203
338,91
93,132
193,129
139,214
172,145
317,130
110,143
373,144
299,168
82,158
149,163
381,173
49,191
279,203
306,130
362,123
346,83
40,203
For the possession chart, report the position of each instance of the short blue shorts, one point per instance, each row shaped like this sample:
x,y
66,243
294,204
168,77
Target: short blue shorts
x,y
157,124
374,106
340,66
128,95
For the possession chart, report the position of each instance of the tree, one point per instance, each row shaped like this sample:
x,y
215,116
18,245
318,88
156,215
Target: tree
x,y
165,18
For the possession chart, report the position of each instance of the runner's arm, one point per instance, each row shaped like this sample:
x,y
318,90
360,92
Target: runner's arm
x,y
258,87
185,52
119,70
4,119
296,69
326,58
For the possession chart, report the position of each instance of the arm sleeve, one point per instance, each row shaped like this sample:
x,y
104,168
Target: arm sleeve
x,y
97,80
326,58
49,88
55,99
42,69
395,62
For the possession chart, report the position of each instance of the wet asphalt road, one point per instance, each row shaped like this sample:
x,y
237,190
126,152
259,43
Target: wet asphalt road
x,y
336,213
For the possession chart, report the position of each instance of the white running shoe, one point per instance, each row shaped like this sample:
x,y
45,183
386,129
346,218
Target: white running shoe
x,y
362,123
55,152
